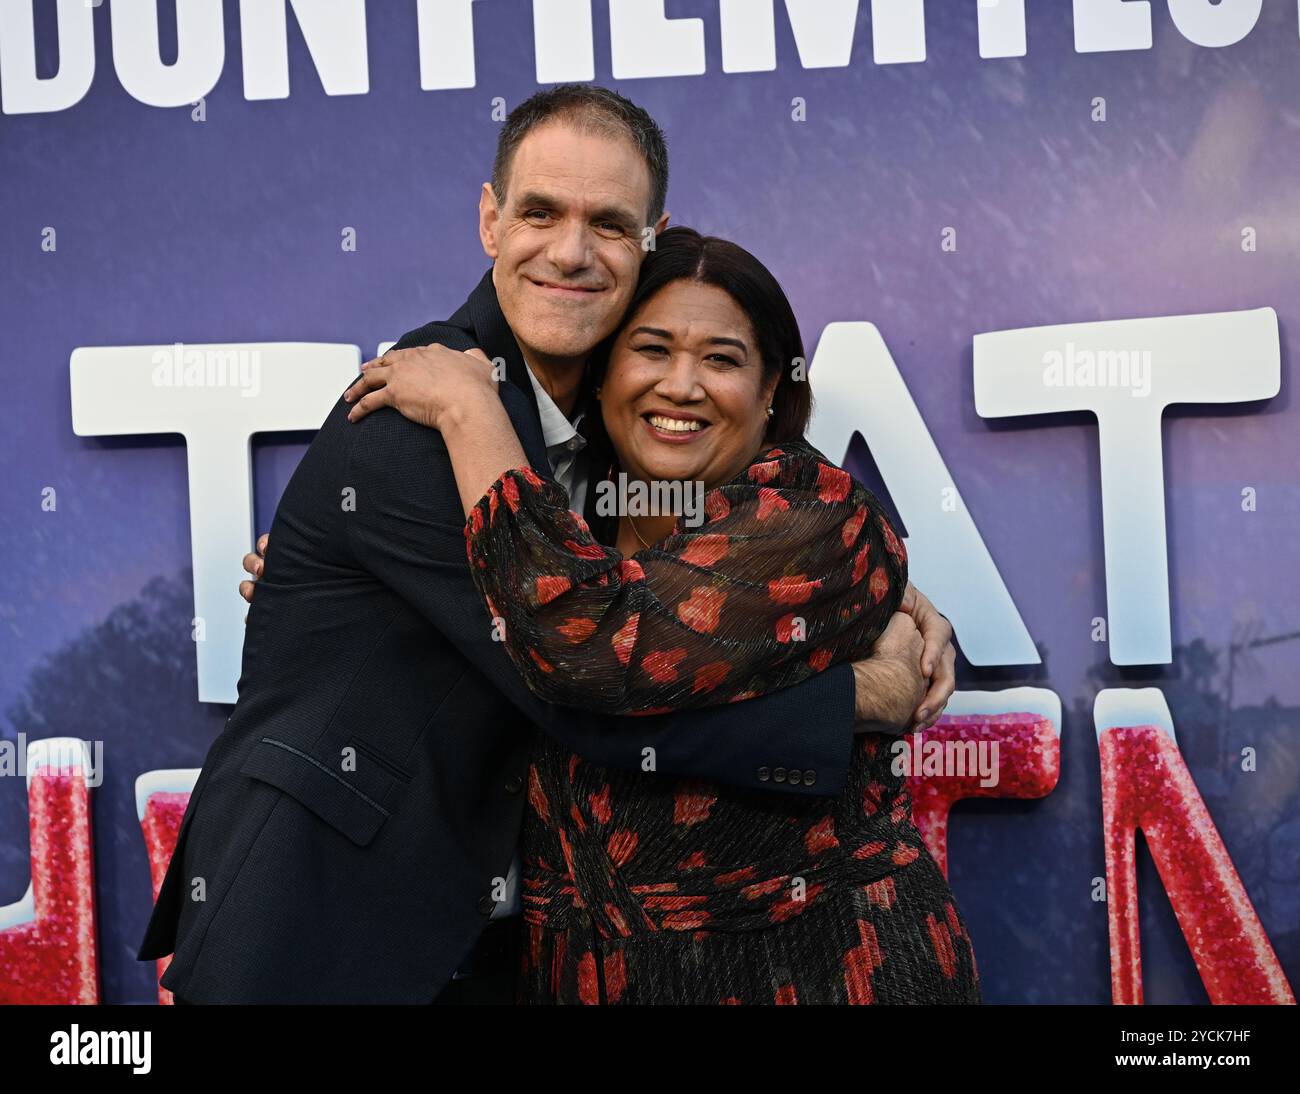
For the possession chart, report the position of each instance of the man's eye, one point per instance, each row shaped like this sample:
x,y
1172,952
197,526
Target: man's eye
x,y
610,227
535,213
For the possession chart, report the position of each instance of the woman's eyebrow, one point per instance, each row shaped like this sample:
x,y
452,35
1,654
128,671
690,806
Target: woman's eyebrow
x,y
655,331
720,341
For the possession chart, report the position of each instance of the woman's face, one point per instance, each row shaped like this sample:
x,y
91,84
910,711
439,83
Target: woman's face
x,y
684,396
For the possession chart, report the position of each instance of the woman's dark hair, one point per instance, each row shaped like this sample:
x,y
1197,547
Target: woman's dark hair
x,y
682,254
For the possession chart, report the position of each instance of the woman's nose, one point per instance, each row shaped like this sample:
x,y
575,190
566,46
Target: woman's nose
x,y
681,381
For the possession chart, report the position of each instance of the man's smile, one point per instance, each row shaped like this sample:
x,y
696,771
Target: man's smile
x,y
566,292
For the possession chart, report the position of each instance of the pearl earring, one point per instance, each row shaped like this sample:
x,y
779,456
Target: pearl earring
x,y
770,411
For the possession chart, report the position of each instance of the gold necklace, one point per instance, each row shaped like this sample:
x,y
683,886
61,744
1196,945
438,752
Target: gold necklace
x,y
635,532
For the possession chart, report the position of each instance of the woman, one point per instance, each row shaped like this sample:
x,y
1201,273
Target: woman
x,y
641,889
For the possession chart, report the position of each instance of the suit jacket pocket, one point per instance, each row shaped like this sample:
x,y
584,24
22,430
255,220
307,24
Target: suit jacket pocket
x,y
355,803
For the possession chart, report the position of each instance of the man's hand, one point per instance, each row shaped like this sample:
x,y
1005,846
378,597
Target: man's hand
x,y
889,683
253,566
938,659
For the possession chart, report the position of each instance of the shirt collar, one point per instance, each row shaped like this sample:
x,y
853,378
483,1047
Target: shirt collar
x,y
557,430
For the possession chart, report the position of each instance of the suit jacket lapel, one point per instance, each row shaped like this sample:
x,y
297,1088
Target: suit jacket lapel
x,y
601,464
497,340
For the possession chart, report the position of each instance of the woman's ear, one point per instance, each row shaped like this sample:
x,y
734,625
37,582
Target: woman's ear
x,y
489,220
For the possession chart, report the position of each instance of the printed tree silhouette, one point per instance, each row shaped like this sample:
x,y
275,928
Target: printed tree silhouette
x,y
130,682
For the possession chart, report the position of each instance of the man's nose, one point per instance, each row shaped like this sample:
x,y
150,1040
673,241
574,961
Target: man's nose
x,y
570,247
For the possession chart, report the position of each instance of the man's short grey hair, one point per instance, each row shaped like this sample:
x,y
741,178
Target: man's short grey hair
x,y
593,110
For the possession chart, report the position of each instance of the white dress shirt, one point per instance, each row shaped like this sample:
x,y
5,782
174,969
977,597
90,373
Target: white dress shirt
x,y
564,448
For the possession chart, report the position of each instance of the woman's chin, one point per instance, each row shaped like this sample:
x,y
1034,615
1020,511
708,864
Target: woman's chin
x,y
672,470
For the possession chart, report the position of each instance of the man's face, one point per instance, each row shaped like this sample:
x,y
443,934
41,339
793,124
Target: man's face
x,y
567,243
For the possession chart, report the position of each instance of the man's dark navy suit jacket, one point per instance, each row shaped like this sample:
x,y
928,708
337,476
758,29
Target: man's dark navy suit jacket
x,y
343,837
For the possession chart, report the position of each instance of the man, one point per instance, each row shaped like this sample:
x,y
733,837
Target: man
x,y
351,833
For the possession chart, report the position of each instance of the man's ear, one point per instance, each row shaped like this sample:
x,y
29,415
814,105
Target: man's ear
x,y
660,225
489,220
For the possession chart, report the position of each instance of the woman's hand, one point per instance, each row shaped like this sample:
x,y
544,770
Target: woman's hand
x,y
430,385
454,393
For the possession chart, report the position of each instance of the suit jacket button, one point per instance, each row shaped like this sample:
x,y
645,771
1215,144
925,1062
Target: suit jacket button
x,y
514,784
809,777
764,774
794,775
779,774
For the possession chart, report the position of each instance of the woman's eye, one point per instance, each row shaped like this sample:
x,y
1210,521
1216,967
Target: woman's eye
x,y
723,359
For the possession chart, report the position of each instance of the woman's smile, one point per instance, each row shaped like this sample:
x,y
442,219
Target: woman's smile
x,y
673,427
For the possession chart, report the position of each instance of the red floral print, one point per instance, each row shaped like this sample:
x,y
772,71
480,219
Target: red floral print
x,y
780,551
639,888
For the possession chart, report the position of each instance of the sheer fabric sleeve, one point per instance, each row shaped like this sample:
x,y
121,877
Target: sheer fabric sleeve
x,y
794,567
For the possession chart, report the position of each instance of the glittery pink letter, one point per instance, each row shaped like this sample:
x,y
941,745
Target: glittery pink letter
x,y
1145,784
47,939
1025,724
160,801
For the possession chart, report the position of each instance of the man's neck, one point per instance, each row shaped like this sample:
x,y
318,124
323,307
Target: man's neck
x,y
560,377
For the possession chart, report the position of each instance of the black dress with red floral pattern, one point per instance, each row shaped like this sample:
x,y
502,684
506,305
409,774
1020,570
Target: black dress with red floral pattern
x,y
639,888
